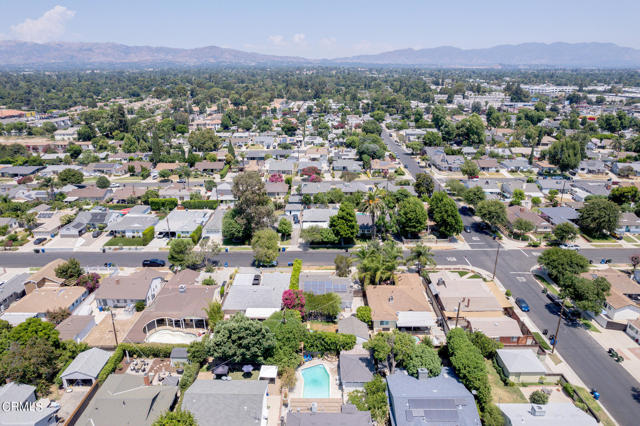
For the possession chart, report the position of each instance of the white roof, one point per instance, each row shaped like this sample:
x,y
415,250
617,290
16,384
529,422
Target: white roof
x,y
415,319
268,372
243,279
17,318
521,361
260,313
557,413
88,363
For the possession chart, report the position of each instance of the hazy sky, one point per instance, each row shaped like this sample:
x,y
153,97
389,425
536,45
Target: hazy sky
x,y
322,28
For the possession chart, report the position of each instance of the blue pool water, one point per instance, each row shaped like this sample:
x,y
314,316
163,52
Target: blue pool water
x,y
316,382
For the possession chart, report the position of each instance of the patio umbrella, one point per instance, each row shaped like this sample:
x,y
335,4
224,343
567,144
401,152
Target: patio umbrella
x,y
221,370
247,368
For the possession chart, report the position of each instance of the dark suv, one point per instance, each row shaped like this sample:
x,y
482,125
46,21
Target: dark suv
x,y
153,263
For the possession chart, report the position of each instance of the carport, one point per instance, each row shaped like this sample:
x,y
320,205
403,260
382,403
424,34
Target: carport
x,y
84,369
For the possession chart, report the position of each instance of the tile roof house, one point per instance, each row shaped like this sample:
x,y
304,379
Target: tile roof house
x,y
439,400
232,403
124,290
473,295
125,399
402,306
40,300
84,369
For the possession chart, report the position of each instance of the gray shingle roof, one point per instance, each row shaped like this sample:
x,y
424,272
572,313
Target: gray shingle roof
x,y
88,363
352,325
232,403
356,367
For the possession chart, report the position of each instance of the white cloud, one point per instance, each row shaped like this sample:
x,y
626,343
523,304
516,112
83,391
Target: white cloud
x,y
277,40
299,38
328,41
49,27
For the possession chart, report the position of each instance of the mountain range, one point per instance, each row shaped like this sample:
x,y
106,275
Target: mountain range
x,y
20,54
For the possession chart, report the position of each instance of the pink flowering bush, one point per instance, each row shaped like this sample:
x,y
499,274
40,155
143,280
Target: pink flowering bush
x,y
293,299
89,281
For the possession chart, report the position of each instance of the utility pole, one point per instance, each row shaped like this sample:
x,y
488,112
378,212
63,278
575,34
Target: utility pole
x,y
564,181
113,325
555,337
458,312
495,265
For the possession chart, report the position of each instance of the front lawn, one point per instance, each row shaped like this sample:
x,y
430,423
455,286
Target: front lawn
x,y
550,287
594,405
124,241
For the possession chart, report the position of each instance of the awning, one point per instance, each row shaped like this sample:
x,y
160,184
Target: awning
x,y
260,313
416,319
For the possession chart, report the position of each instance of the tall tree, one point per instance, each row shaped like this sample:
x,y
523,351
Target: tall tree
x,y
421,256
344,224
373,204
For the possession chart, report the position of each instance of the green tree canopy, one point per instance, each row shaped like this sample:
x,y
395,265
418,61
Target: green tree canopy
x,y
561,263
565,154
265,246
344,224
444,212
241,340
492,212
599,216
412,216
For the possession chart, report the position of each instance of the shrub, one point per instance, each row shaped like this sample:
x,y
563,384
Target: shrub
x,y
538,397
208,281
468,362
294,284
89,281
147,235
507,293
328,343
568,389
189,376
196,234
200,204
140,305
163,203
541,341
485,345
363,313
224,171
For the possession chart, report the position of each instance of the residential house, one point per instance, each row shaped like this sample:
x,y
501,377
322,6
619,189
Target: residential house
x,y
283,167
489,187
277,190
179,305
126,399
427,399
633,330
352,325
580,190
520,365
127,194
89,193
213,228
356,367
75,327
178,191
85,368
119,291
488,164
621,305
10,222
503,329
561,185
348,415
403,306
13,395
317,217
181,223
552,413
132,224
44,276
209,166
616,168
322,283
518,212
558,215
383,166
257,296
47,298
518,164
12,290
115,169
19,171
49,223
628,223
545,167
592,167
232,403
98,217
345,165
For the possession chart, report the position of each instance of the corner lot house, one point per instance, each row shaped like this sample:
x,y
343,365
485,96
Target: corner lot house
x,y
232,403
84,369
520,365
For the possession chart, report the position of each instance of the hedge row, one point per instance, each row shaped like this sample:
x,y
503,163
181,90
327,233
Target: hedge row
x,y
196,234
148,234
224,171
325,342
162,203
294,284
200,204
145,350
468,362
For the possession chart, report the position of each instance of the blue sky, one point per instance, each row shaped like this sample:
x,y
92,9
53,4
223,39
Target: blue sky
x,y
322,28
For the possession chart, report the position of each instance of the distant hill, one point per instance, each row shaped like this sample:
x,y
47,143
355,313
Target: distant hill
x,y
69,55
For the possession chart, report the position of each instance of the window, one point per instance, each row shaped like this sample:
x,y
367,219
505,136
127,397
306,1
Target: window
x,y
385,322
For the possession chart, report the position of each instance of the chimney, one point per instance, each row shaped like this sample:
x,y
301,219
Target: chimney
x,y
423,374
147,382
182,288
391,299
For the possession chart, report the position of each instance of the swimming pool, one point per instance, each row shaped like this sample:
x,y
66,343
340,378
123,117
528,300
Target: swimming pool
x,y
316,382
172,337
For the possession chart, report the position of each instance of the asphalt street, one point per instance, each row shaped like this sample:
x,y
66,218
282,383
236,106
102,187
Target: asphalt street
x,y
620,392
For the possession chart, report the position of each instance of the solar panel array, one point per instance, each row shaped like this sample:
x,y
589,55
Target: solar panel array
x,y
324,287
45,215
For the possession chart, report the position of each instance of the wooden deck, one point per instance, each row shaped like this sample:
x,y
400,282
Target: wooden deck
x,y
325,405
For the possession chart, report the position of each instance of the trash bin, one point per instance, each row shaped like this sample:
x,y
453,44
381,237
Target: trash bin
x,y
36,250
226,249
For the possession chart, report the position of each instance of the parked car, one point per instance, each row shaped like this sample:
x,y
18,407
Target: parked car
x,y
265,265
39,241
153,263
181,181
96,233
114,185
467,228
522,304
554,298
570,247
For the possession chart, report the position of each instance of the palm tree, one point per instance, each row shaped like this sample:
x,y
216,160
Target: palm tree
x,y
373,205
214,314
420,255
378,262
185,172
48,183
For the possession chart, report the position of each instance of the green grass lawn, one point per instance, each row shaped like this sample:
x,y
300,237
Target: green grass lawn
x,y
599,240
124,241
461,273
500,392
595,406
546,284
629,239
239,375
589,326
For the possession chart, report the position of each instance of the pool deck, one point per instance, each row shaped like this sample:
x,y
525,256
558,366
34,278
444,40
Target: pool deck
x,y
332,368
